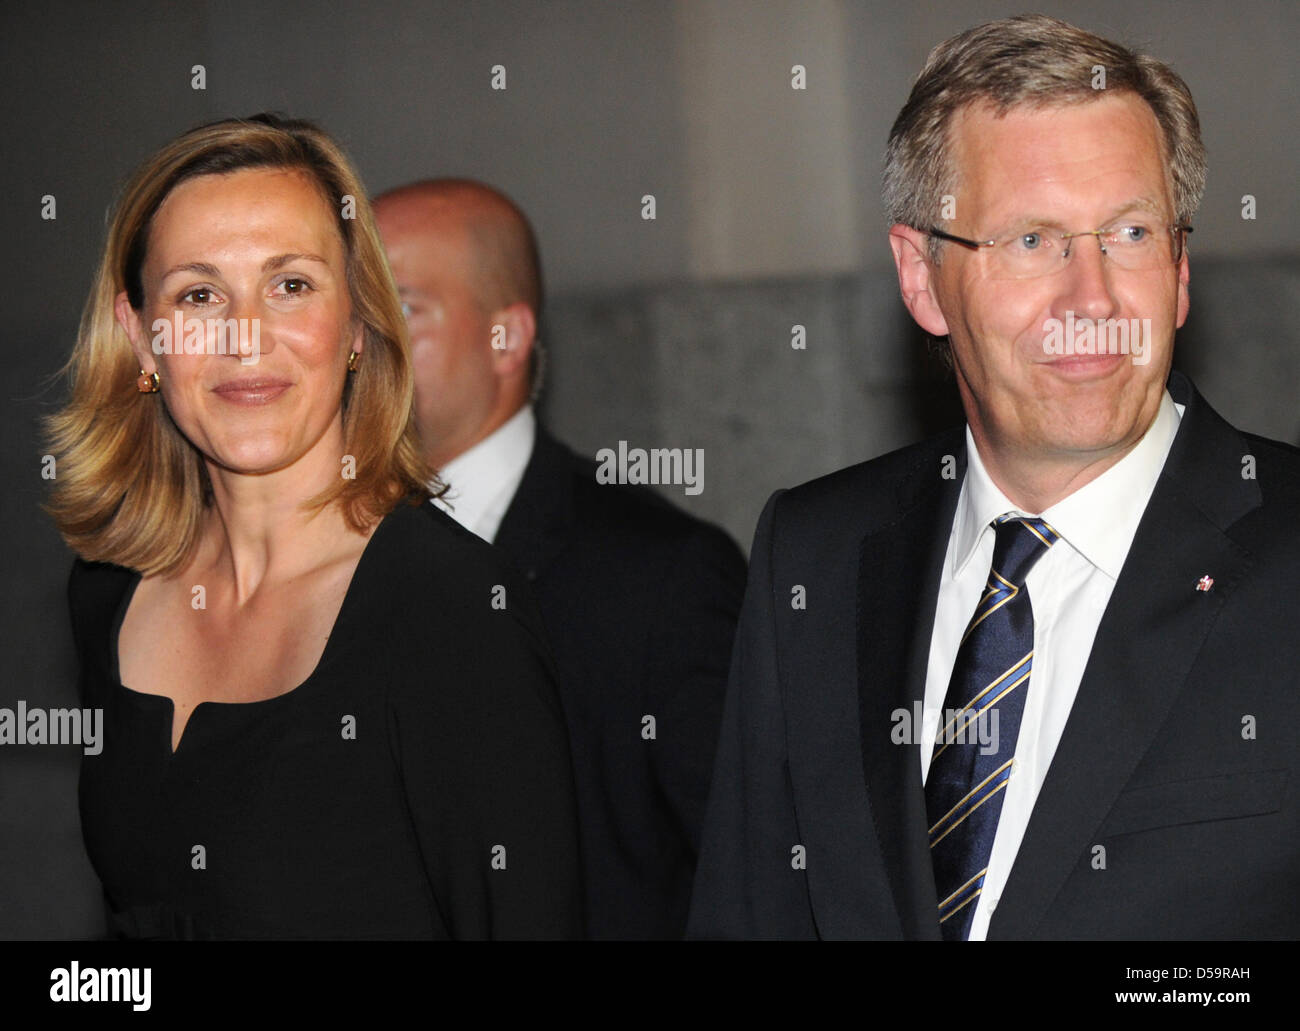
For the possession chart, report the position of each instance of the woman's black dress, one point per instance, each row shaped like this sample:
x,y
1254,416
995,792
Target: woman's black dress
x,y
416,785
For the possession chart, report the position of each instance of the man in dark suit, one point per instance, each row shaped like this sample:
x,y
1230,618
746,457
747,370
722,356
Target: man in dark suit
x,y
639,599
1036,678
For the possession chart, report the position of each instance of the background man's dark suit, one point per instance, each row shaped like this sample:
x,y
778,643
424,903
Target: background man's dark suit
x,y
640,603
1200,826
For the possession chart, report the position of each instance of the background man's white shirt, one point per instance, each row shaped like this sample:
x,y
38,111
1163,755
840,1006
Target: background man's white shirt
x,y
482,481
1069,587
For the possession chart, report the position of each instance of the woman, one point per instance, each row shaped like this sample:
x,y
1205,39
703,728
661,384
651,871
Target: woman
x,y
328,710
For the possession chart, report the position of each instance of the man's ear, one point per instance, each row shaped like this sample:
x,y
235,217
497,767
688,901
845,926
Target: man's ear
x,y
1184,298
513,331
129,319
915,278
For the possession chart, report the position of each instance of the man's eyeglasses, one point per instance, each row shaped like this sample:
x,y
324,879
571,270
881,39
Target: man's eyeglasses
x,y
1041,251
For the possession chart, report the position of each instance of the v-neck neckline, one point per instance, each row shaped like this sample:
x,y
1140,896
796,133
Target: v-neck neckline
x,y
326,652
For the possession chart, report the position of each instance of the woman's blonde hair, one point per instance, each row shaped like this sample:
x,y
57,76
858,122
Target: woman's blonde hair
x,y
130,488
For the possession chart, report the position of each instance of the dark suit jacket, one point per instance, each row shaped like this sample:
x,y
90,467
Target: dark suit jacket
x,y
1162,814
640,603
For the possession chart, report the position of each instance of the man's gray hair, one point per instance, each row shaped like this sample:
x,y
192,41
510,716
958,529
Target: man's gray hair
x,y
1032,61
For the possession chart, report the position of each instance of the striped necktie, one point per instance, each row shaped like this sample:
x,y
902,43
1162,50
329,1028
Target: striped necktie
x,y
986,696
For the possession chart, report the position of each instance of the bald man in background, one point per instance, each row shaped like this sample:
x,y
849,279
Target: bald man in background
x,y
640,600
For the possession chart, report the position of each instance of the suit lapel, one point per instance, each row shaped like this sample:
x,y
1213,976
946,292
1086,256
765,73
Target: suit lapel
x,y
898,582
1148,639
538,524
845,665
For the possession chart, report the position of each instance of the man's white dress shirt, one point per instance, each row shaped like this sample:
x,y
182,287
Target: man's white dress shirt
x,y
1069,587
482,481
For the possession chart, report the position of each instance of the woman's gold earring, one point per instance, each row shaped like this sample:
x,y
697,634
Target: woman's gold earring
x,y
352,361
147,383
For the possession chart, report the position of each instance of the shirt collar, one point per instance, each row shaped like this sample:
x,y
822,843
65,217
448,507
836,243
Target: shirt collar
x,y
482,480
1099,519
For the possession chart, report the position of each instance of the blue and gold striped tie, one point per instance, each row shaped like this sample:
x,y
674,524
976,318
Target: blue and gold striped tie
x,y
986,696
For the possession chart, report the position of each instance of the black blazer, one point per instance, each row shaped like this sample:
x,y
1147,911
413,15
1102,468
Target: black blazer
x,y
457,752
640,603
1170,808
